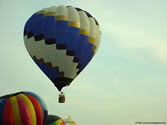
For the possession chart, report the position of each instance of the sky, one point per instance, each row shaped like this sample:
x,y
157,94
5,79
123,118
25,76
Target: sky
x,y
126,80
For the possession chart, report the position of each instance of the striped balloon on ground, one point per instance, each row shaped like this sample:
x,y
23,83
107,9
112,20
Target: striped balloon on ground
x,y
62,40
54,120
22,108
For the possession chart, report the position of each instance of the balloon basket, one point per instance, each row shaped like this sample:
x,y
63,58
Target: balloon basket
x,y
61,98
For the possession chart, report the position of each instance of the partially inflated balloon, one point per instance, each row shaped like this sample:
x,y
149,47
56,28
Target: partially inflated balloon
x,y
54,120
69,121
22,108
62,40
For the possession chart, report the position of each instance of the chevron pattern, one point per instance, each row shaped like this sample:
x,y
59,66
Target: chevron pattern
x,y
62,41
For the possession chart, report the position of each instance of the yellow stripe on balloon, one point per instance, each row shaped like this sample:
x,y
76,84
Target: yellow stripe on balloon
x,y
15,109
50,14
30,107
94,48
61,18
59,122
84,32
91,40
40,12
74,24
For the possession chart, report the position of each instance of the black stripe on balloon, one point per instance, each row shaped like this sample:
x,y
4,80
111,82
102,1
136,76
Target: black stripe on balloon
x,y
61,46
25,32
69,6
50,41
78,72
51,119
96,22
30,34
88,14
70,53
76,59
39,37
61,82
78,9
79,66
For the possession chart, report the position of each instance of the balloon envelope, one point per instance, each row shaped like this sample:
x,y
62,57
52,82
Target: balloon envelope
x,y
54,120
22,108
62,40
69,121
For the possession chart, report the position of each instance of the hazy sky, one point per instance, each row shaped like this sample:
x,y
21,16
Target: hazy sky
x,y
126,81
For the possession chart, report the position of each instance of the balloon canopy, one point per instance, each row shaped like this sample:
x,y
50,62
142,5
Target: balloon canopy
x,y
62,40
54,120
69,121
22,108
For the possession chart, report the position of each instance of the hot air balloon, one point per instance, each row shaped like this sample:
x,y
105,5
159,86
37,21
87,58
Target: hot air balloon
x,y
22,108
69,121
54,120
62,40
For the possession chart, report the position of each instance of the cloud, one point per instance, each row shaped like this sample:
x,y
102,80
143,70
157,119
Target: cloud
x,y
159,51
138,45
139,34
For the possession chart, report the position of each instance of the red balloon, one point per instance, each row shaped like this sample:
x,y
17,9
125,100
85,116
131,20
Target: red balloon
x,y
22,108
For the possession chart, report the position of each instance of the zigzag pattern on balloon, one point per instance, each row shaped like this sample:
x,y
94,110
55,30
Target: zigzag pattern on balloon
x,y
64,37
54,70
53,73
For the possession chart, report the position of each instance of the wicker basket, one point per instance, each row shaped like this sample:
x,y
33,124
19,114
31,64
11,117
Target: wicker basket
x,y
61,99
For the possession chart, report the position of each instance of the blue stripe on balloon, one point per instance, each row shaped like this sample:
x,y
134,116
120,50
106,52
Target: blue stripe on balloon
x,y
38,24
68,36
86,56
2,104
49,27
87,51
90,55
74,30
30,23
50,73
61,38
73,39
84,64
26,25
61,26
61,32
82,43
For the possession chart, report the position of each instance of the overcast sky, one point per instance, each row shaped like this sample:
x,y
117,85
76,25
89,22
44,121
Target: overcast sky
x,y
126,81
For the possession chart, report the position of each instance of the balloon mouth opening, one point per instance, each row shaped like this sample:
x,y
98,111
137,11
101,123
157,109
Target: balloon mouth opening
x,y
61,82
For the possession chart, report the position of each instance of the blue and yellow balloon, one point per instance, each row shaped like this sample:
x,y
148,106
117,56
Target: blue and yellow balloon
x,y
62,40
